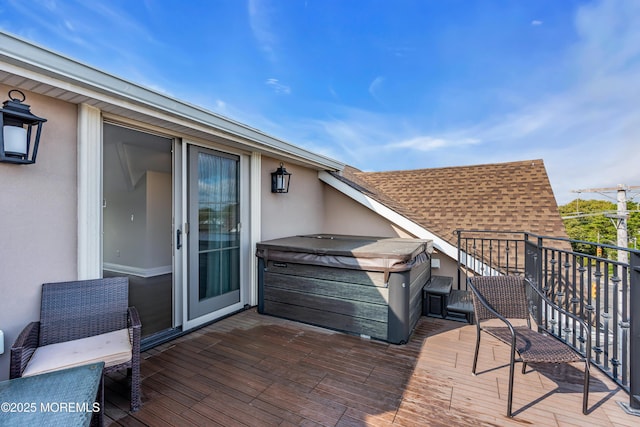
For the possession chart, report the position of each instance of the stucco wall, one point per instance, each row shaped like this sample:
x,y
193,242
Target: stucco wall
x,y
299,211
343,215
448,267
37,219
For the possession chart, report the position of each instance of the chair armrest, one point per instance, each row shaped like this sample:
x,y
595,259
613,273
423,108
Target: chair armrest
x,y
23,348
133,318
583,324
134,325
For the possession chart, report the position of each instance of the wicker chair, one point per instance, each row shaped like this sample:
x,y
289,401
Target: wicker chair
x,y
73,311
510,297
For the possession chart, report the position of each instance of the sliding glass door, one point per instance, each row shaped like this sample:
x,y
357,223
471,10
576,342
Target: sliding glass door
x,y
214,235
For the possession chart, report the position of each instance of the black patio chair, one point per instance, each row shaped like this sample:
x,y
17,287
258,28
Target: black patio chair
x,y
80,314
511,297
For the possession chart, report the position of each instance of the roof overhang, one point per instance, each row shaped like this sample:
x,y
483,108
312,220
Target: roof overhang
x,y
394,217
33,68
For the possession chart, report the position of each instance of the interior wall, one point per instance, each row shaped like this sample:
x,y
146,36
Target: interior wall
x,y
159,208
125,229
137,202
38,219
137,224
300,211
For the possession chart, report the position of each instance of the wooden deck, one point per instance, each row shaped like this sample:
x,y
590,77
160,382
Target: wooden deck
x,y
254,370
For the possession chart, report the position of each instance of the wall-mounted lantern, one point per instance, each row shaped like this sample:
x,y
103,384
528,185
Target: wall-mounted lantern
x,y
280,180
21,130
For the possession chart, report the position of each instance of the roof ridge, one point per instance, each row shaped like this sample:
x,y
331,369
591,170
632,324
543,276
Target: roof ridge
x,y
480,166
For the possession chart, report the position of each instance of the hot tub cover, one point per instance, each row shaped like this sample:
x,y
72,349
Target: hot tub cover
x,y
353,252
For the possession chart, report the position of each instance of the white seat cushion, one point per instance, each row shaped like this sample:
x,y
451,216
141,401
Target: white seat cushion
x,y
112,348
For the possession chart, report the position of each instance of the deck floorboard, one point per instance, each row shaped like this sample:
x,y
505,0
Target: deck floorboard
x,y
255,370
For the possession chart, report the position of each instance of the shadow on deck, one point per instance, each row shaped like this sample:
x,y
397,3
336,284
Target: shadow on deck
x,y
255,370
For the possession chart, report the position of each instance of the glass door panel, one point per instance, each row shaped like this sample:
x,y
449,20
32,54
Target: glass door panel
x,y
137,181
214,243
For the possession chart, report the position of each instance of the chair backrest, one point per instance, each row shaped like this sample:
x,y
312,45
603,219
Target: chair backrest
x,y
505,294
80,309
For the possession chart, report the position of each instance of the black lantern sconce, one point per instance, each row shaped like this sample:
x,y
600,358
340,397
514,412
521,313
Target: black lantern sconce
x,y
21,131
280,180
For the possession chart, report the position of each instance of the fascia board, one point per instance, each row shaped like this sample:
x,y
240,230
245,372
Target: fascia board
x,y
389,214
42,62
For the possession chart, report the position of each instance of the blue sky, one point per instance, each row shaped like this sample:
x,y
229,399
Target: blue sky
x,y
381,84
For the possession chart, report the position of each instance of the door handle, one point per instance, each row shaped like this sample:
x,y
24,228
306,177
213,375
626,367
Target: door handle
x,y
178,238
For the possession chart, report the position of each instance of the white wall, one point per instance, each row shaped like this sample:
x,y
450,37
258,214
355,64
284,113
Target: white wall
x,y
159,208
137,227
343,215
38,220
300,211
124,224
448,267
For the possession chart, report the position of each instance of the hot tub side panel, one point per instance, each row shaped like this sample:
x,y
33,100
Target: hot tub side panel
x,y
354,301
405,301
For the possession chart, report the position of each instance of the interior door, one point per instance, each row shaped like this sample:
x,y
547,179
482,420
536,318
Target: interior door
x,y
214,235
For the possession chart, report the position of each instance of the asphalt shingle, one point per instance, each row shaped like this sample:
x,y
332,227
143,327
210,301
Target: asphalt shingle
x,y
514,196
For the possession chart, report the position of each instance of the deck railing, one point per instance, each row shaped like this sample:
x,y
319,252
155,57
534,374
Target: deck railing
x,y
604,292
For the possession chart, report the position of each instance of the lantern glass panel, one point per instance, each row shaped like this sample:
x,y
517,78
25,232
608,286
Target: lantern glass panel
x,y
21,131
280,180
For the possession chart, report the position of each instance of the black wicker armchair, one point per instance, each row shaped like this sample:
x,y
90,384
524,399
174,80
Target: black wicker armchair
x,y
82,322
509,298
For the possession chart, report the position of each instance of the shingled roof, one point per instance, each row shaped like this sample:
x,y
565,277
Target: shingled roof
x,y
515,196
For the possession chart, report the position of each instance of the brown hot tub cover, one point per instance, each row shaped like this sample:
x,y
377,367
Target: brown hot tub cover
x,y
352,252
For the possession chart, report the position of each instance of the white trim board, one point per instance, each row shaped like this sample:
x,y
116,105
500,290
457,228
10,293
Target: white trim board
x,y
137,271
89,203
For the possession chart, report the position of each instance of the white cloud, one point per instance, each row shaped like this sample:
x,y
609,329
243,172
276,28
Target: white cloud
x,y
278,87
333,93
69,25
220,105
536,23
375,86
429,143
262,28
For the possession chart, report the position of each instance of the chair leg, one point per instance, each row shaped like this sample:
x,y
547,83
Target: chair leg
x,y
524,367
585,392
511,372
134,373
475,356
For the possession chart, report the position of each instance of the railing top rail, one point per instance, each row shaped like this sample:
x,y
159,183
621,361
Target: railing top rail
x,y
458,231
539,236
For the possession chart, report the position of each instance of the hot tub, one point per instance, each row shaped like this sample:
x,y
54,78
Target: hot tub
x,y
367,286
